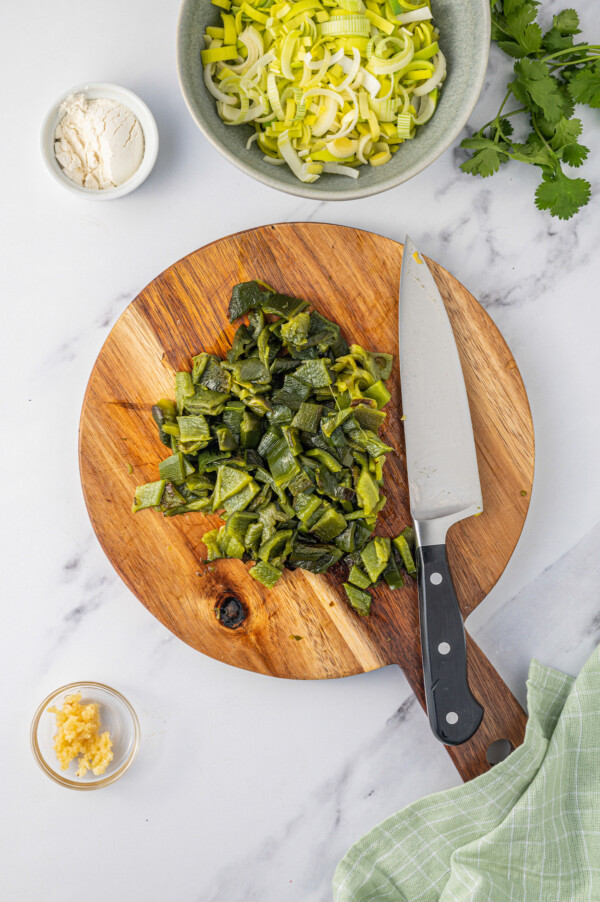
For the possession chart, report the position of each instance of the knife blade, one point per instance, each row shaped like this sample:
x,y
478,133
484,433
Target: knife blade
x,y
444,487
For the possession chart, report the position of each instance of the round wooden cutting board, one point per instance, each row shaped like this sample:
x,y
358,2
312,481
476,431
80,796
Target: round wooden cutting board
x,y
303,628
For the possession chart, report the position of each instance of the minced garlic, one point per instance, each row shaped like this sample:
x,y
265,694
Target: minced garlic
x,y
78,736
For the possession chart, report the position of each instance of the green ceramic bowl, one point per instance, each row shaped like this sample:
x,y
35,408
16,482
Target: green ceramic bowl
x,y
465,39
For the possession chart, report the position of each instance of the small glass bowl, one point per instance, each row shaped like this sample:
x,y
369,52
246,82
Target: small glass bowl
x,y
116,715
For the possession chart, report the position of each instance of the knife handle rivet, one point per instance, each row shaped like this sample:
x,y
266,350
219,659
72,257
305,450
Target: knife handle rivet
x,y
443,648
452,717
435,579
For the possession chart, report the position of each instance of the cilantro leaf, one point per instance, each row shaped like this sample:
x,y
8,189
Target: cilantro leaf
x,y
512,49
487,157
478,142
519,13
584,86
534,84
566,131
568,104
536,152
567,22
530,38
512,7
497,33
574,154
561,195
506,127
553,41
520,16
530,41
483,163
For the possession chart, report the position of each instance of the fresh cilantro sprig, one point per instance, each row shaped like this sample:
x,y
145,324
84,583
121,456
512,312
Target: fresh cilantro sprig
x,y
552,74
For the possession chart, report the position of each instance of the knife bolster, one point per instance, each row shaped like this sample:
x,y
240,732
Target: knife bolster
x,y
433,531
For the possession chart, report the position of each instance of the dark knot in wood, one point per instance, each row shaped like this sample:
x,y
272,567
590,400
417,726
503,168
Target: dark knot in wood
x,y
230,612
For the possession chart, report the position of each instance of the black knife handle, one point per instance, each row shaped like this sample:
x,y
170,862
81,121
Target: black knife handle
x,y
454,713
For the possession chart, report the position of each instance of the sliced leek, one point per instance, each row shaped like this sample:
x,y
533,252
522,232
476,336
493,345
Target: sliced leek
x,y
328,86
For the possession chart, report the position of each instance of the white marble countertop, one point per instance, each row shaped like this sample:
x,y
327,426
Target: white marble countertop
x,y
246,787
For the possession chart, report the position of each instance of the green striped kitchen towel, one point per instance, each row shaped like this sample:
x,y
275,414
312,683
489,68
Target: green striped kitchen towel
x,y
528,829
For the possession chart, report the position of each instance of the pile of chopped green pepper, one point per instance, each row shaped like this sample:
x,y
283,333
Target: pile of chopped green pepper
x,y
281,438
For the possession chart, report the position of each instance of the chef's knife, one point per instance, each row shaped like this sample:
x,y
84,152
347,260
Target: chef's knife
x,y
444,488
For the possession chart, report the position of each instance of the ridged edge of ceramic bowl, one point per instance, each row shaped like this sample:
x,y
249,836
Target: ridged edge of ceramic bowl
x,y
357,191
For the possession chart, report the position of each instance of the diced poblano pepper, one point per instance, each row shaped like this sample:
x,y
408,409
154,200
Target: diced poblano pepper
x,y
306,506
292,438
232,547
292,393
238,523
243,297
360,601
358,577
148,495
401,543
282,463
392,573
295,331
379,393
315,373
199,365
376,468
193,429
251,370
175,468
265,573
281,436
206,401
327,459
300,483
270,439
375,557
171,498
250,429
383,362
409,534
346,541
253,537
283,305
225,438
184,388
281,414
330,525
229,481
210,539
241,499
367,491
334,421
368,417
308,417
276,545
198,504
199,484
232,416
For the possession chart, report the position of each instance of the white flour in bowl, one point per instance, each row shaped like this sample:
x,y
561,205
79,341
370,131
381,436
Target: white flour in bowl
x,y
99,143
